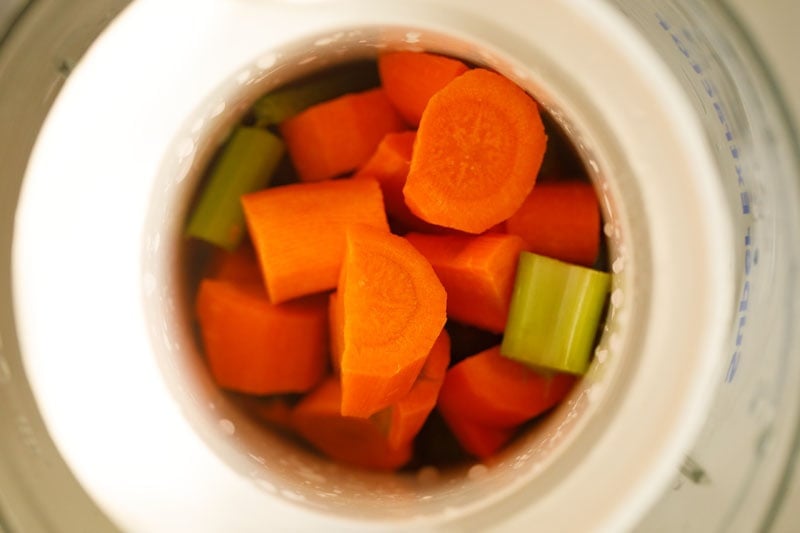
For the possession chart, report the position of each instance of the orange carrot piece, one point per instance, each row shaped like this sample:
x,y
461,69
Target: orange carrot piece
x,y
475,438
477,272
239,266
394,309
356,441
560,219
389,166
299,231
496,391
408,415
478,149
337,136
410,79
256,347
336,322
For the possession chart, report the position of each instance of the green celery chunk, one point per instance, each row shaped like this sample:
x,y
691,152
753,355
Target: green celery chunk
x,y
555,312
281,104
245,164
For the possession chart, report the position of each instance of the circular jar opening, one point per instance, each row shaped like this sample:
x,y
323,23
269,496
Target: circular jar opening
x,y
277,464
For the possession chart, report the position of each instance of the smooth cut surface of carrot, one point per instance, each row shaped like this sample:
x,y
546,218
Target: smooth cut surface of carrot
x,y
394,309
475,438
257,347
410,79
408,415
299,231
337,136
560,219
492,390
477,272
355,441
478,150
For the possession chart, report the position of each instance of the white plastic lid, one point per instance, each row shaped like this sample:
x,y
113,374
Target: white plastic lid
x,y
102,315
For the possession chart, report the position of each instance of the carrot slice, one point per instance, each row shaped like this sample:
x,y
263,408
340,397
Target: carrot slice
x,y
337,136
478,149
352,440
477,272
299,231
475,438
257,347
560,219
408,415
394,309
493,390
411,78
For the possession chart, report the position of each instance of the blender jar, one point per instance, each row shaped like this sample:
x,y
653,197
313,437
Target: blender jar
x,y
688,416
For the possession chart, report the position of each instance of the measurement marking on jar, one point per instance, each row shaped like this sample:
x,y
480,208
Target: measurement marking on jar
x,y
745,204
713,96
742,310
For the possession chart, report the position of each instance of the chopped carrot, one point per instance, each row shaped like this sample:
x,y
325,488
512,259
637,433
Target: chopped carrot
x,y
352,440
477,272
394,309
478,439
389,166
337,136
239,266
410,79
299,231
493,390
478,149
560,219
408,415
257,347
336,324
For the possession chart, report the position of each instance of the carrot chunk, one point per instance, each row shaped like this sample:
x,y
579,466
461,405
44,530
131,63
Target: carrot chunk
x,y
336,323
408,415
560,219
477,272
493,390
478,439
337,136
410,79
299,231
352,440
389,166
394,308
257,347
478,149
239,266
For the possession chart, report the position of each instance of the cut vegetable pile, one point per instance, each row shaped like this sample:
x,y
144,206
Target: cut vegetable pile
x,y
404,268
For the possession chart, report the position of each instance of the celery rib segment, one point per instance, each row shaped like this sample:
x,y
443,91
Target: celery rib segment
x,y
555,313
246,164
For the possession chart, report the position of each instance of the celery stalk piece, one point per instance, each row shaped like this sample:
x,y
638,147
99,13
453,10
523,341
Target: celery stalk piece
x,y
555,312
283,103
245,164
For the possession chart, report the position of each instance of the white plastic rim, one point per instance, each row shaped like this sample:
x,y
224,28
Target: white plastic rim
x,y
97,227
